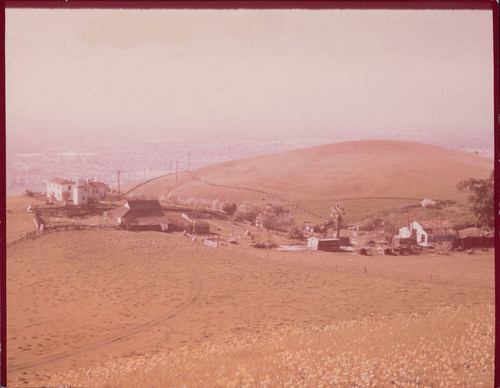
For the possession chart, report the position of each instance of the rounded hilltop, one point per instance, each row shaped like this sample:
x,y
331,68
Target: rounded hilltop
x,y
368,176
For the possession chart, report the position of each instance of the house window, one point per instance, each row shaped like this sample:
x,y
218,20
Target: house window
x,y
422,238
69,187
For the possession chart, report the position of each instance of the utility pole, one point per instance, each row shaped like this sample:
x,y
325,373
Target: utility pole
x,y
176,170
118,171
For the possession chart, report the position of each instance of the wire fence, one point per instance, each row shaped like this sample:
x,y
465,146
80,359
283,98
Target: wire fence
x,y
60,227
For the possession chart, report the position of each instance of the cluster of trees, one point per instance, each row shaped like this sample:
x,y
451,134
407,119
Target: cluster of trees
x,y
481,198
217,204
272,217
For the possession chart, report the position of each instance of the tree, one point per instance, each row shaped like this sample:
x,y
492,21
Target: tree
x,y
247,211
295,233
229,208
337,214
275,217
481,199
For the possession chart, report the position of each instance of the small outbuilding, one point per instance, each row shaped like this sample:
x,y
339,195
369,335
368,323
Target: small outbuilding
x,y
324,244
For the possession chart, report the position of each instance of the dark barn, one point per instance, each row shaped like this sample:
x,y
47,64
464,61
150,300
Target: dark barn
x,y
140,215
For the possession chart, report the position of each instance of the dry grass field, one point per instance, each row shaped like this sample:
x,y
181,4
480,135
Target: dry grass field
x,y
84,299
447,347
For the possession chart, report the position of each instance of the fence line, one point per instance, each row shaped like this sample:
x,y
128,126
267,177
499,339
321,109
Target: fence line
x,y
28,235
58,228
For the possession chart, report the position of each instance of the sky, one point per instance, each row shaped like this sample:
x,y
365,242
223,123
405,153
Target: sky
x,y
249,74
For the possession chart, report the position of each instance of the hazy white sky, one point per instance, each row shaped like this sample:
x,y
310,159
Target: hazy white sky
x,y
249,73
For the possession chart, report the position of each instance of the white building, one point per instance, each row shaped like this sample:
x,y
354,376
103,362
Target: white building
x,y
60,189
89,190
80,192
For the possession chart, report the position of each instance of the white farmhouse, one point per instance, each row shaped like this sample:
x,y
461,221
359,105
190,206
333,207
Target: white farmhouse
x,y
89,190
60,189
80,192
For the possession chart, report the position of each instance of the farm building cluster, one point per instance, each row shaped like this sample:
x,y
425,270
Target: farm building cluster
x,y
140,215
149,215
416,236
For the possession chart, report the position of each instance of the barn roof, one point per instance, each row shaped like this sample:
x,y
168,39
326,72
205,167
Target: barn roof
x,y
143,204
118,212
437,227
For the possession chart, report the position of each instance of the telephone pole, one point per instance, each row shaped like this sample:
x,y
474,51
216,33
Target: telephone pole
x,y
118,171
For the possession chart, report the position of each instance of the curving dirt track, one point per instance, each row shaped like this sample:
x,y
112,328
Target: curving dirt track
x,y
45,278
120,337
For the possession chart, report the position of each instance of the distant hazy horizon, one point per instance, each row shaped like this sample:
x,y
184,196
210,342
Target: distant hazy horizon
x,y
249,74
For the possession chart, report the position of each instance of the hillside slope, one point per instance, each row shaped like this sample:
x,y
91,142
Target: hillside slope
x,y
368,176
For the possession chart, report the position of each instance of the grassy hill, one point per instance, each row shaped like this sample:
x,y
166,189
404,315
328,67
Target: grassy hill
x,y
369,177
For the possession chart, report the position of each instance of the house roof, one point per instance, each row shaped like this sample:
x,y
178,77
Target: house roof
x,y
61,181
98,185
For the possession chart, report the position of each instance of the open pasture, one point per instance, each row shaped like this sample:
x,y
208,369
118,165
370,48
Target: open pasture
x,y
79,298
